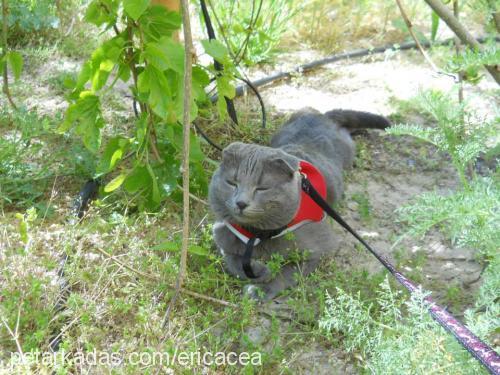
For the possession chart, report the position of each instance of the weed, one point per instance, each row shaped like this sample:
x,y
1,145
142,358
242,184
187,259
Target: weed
x,y
469,218
61,82
389,342
27,167
364,207
253,29
459,132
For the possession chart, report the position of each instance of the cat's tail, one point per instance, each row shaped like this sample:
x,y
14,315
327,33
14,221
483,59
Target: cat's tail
x,y
354,120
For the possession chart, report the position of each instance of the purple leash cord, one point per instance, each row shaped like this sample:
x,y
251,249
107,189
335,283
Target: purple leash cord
x,y
473,344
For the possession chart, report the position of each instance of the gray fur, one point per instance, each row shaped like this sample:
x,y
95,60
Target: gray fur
x,y
265,182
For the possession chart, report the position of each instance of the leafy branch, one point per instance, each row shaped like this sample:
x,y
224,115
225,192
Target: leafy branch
x,y
144,53
461,32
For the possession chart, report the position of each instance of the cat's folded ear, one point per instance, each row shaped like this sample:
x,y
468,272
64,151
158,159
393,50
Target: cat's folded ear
x,y
283,165
231,152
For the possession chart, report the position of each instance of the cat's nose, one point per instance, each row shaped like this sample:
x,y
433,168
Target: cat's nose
x,y
242,205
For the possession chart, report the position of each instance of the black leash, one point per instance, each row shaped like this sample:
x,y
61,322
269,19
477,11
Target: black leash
x,y
261,234
318,199
247,258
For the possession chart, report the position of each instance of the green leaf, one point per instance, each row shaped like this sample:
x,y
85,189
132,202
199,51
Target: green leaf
x,y
434,26
153,81
23,227
169,246
113,152
115,183
83,76
155,194
168,174
195,153
165,54
200,81
221,107
16,63
215,49
225,88
100,12
107,65
135,8
138,179
158,22
198,250
172,247
85,116
141,129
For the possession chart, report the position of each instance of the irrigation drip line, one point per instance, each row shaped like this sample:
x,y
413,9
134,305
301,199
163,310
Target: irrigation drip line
x,y
241,89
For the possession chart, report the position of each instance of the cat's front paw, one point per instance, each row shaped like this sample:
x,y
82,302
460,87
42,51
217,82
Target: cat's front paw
x,y
261,272
259,293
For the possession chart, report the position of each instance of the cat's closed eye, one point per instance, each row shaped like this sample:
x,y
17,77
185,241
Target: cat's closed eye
x,y
262,188
231,183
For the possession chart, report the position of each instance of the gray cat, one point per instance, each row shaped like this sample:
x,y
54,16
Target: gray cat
x,y
259,188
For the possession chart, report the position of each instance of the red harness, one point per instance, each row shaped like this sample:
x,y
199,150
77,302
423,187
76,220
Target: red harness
x,y
307,212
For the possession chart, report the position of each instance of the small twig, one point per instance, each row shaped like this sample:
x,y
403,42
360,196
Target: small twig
x,y
124,265
419,45
208,298
194,197
157,279
52,194
64,329
14,335
152,136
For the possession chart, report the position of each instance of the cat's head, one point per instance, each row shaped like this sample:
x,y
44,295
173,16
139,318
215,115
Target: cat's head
x,y
256,186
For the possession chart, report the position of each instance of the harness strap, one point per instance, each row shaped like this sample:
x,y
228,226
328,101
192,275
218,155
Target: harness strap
x,y
247,258
473,344
261,235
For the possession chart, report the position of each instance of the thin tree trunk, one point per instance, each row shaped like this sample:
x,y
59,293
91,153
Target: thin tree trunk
x,y
186,122
447,16
409,26
6,91
457,51
456,13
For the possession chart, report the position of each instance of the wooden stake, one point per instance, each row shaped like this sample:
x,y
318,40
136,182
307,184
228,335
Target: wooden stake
x,y
186,124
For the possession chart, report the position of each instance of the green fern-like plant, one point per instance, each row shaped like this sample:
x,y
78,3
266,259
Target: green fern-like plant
x,y
470,61
469,217
459,132
401,337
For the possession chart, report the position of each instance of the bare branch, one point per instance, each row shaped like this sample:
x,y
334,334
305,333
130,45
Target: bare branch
x,y
454,24
417,42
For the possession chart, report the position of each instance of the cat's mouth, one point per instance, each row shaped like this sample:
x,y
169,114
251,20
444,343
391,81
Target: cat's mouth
x,y
247,216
